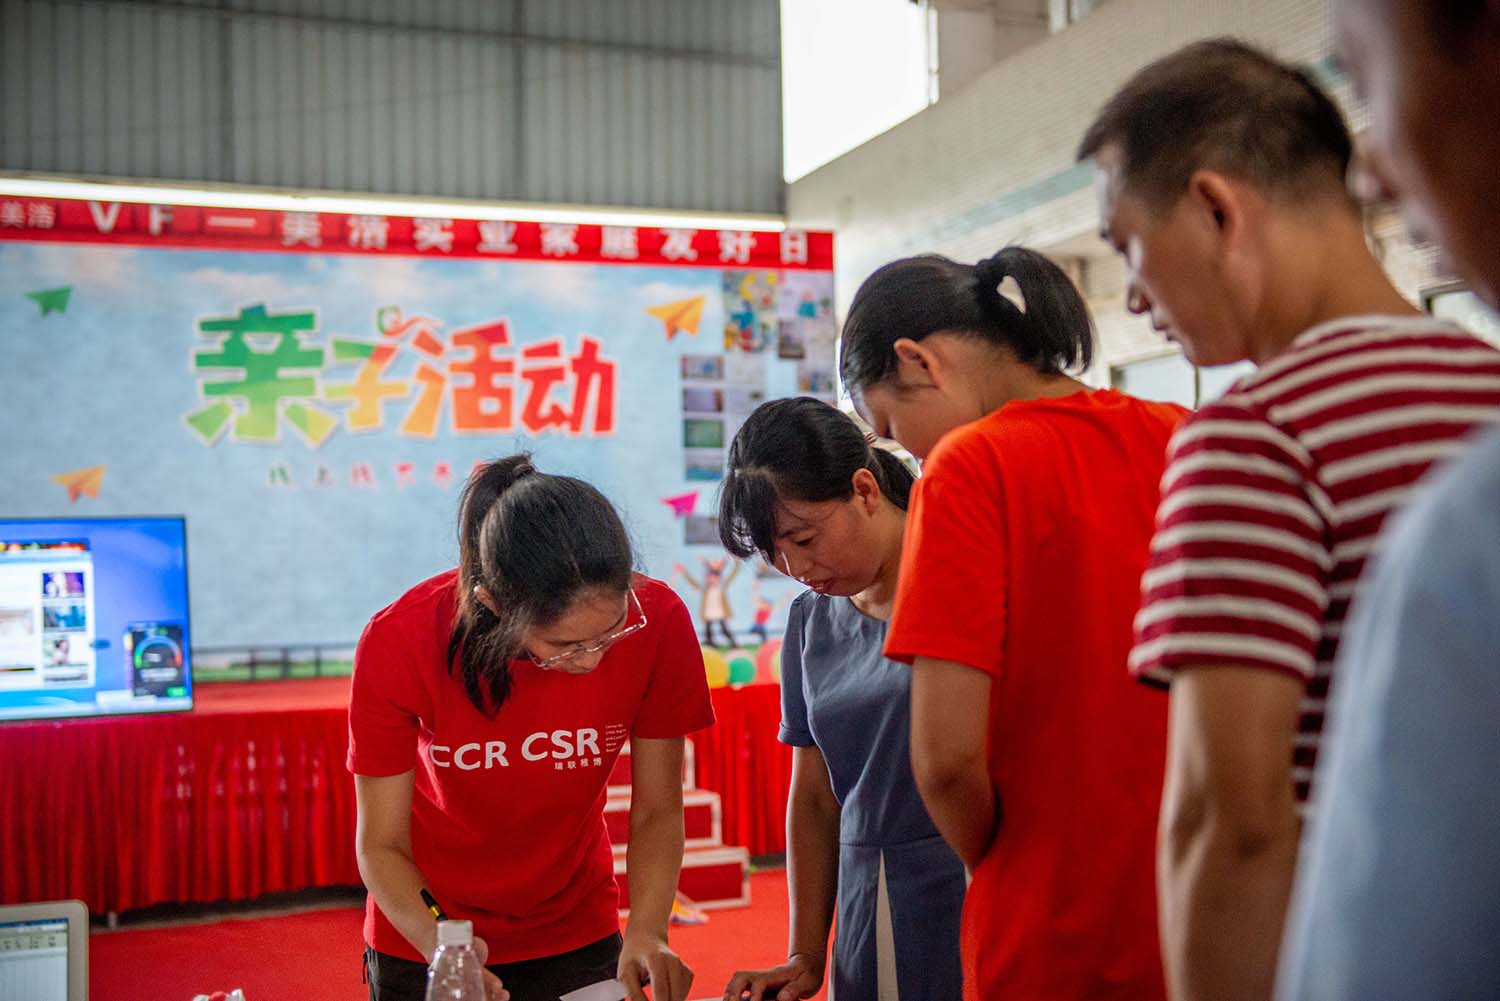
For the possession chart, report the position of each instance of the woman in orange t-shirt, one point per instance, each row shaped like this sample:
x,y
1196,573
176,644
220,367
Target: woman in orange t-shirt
x,y
1038,758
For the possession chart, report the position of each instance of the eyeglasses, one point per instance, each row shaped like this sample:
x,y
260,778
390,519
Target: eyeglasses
x,y
584,649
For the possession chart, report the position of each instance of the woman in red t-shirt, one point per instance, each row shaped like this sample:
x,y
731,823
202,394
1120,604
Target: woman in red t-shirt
x,y
1036,755
487,708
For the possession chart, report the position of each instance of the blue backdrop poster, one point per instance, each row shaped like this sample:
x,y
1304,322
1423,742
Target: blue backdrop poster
x,y
313,412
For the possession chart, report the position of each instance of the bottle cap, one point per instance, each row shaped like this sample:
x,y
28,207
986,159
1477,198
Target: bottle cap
x,y
455,933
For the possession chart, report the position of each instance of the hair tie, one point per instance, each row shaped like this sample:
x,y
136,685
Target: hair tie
x,y
989,273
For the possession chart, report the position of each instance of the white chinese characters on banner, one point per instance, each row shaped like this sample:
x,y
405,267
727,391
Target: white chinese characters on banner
x,y
301,227
794,246
735,246
40,215
559,239
433,234
619,242
369,232
497,237
677,245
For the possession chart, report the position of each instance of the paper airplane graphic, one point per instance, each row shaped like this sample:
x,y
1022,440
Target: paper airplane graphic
x,y
80,482
681,316
52,300
682,505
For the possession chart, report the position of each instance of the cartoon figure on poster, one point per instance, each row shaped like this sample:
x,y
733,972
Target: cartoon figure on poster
x,y
764,611
715,608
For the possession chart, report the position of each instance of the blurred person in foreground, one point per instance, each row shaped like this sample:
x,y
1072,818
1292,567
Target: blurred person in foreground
x,y
1398,893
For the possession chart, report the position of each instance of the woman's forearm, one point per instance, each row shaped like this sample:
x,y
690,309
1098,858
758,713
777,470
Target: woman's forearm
x,y
812,872
396,884
653,861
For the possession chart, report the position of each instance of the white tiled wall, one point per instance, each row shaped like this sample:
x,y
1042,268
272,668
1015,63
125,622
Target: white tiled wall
x,y
993,163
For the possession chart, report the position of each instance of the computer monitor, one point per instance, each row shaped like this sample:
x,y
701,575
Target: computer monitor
x,y
44,951
93,617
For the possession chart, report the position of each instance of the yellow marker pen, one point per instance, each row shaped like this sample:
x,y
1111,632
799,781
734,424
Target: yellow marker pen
x,y
432,905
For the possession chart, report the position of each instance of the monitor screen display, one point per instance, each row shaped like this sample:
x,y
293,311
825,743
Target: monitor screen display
x,y
34,959
93,617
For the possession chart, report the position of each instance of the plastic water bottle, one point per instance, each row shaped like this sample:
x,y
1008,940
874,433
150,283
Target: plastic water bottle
x,y
455,974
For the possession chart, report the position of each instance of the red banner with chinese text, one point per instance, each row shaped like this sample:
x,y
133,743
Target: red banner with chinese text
x,y
152,225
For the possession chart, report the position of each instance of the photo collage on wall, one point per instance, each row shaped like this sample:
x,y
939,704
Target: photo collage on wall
x,y
780,319
806,333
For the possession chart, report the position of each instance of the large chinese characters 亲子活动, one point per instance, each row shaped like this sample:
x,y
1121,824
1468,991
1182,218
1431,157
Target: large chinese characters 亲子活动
x,y
260,370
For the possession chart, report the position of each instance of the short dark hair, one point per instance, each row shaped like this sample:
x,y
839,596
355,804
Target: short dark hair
x,y
1226,106
799,449
917,296
1454,22
536,542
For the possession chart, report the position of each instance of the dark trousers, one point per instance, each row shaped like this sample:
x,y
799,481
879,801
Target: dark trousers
x,y
392,978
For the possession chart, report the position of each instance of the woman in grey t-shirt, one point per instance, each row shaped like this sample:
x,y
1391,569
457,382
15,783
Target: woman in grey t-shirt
x,y
811,495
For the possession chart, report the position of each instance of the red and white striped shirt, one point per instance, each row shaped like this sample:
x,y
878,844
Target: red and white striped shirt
x,y
1274,495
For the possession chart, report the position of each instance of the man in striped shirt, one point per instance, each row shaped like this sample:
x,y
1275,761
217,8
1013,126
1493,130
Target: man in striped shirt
x,y
1221,182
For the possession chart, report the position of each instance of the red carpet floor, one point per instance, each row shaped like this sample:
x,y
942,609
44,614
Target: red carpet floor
x,y
316,954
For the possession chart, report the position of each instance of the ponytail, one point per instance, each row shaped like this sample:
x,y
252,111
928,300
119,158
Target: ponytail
x,y
1054,332
797,449
894,477
917,296
534,542
484,490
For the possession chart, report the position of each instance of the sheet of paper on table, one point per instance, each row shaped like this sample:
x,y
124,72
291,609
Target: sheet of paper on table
x,y
604,990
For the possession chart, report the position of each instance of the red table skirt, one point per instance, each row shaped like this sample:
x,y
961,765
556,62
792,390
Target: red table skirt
x,y
245,795
248,795
740,758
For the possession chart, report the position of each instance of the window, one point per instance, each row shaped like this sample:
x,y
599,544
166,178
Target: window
x,y
1167,378
1170,379
1463,307
1214,382
850,70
